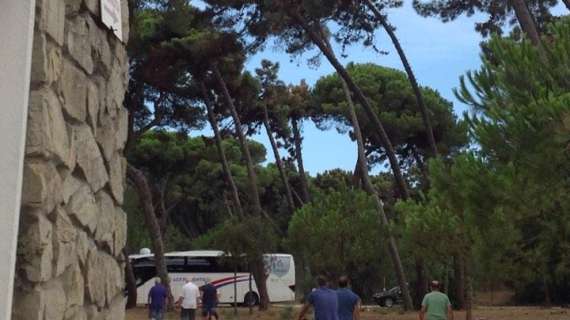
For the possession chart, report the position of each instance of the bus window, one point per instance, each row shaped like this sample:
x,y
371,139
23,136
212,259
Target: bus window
x,y
175,264
228,265
198,264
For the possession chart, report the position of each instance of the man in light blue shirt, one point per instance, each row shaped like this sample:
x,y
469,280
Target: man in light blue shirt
x,y
323,300
348,301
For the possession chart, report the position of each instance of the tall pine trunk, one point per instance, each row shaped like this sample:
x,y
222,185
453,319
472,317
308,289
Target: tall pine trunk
x,y
361,98
278,161
160,208
258,266
411,77
140,183
363,162
131,282
526,21
221,153
252,176
468,287
459,276
297,139
421,287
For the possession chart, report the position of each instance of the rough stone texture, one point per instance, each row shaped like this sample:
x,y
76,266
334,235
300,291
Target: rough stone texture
x,y
46,60
83,208
47,134
64,241
42,186
72,228
51,18
89,158
73,83
79,42
35,252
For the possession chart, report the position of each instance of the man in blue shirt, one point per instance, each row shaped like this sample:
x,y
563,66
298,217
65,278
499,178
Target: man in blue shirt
x,y
157,301
323,300
348,301
209,301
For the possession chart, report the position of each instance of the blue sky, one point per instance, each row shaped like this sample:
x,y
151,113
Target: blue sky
x,y
439,54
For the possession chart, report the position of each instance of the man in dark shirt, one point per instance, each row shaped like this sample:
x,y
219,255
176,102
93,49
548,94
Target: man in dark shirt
x,y
323,300
209,301
157,301
348,301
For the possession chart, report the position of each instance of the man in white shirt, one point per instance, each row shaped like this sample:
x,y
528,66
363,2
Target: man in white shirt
x,y
189,301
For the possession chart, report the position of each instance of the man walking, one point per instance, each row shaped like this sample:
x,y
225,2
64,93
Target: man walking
x,y
157,301
323,300
209,301
436,305
348,301
189,301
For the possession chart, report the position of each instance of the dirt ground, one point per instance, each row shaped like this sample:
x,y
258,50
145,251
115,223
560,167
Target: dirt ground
x,y
480,313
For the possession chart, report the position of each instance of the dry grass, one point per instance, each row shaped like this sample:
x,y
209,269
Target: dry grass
x,y
482,313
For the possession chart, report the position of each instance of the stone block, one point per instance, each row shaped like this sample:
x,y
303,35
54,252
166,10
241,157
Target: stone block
x,y
93,105
70,185
120,232
102,54
41,186
65,235
28,305
35,250
93,313
114,281
117,308
105,279
78,41
72,7
122,128
46,130
89,158
74,90
75,313
105,220
117,171
107,135
116,87
83,208
83,247
46,61
74,286
94,6
53,297
51,18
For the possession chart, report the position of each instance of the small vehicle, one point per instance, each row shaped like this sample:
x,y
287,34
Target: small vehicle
x,y
388,298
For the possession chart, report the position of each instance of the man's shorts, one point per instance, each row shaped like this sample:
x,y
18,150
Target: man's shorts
x,y
156,314
188,314
209,311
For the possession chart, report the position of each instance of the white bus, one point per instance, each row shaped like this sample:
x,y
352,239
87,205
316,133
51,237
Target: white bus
x,y
215,267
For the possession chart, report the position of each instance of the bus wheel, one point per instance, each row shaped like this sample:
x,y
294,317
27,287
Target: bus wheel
x,y
251,299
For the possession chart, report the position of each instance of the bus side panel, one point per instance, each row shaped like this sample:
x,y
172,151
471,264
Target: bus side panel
x,y
281,278
224,282
226,287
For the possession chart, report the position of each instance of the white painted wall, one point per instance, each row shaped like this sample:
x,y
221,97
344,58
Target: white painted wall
x,y
16,34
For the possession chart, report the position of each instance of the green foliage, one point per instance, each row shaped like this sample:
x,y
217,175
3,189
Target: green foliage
x,y
251,237
392,97
338,232
507,205
499,12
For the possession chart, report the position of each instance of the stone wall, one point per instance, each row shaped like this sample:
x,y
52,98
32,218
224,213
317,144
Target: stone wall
x,y
72,227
